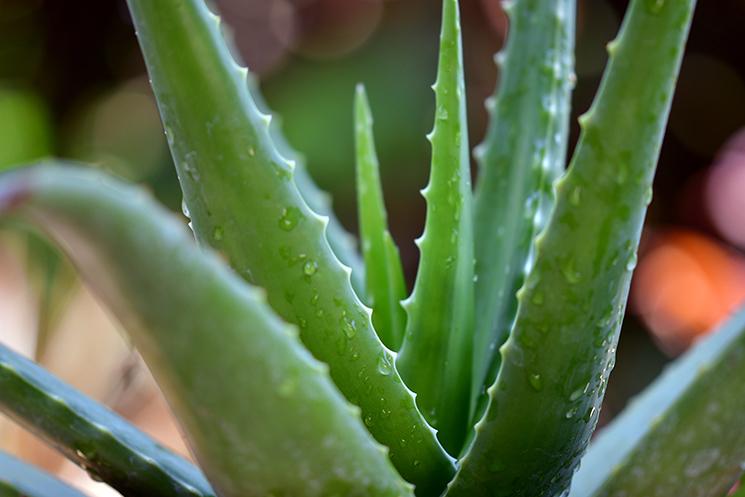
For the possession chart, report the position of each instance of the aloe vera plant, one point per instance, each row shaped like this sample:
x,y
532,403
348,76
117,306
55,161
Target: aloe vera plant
x,y
486,380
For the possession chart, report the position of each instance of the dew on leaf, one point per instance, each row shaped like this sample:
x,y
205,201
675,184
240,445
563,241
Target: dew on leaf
x,y
291,216
570,273
576,196
348,326
310,267
589,414
655,6
648,195
631,262
384,364
535,381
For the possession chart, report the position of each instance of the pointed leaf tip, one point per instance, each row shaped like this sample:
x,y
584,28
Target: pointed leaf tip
x,y
385,281
435,358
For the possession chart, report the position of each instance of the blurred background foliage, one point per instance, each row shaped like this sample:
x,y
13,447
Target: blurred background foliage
x,y
72,84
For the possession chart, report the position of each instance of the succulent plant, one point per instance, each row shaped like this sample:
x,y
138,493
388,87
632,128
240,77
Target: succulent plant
x,y
297,367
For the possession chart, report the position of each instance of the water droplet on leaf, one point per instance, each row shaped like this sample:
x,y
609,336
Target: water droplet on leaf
x,y
310,267
576,196
655,6
631,262
570,273
648,196
384,364
185,208
535,381
348,326
291,216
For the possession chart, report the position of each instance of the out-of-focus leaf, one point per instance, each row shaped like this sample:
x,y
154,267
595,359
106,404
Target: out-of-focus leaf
x,y
684,435
260,412
18,479
96,439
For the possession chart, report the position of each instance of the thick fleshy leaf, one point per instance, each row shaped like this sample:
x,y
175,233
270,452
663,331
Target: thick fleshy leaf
x,y
684,435
556,362
96,439
435,359
243,201
261,415
18,479
523,153
342,243
385,278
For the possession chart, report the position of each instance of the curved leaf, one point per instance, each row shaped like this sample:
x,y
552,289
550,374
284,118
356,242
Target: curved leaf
x,y
343,244
96,439
556,362
261,415
242,201
684,435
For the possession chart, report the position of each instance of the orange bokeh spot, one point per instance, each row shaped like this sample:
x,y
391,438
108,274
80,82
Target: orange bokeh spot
x,y
685,284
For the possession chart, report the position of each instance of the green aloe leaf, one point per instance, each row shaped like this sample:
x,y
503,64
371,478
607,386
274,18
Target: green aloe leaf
x,y
343,244
523,153
277,424
18,479
435,359
385,278
556,362
242,200
684,435
99,441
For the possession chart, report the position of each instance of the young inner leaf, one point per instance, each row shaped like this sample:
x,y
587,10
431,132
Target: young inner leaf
x,y
385,280
435,359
